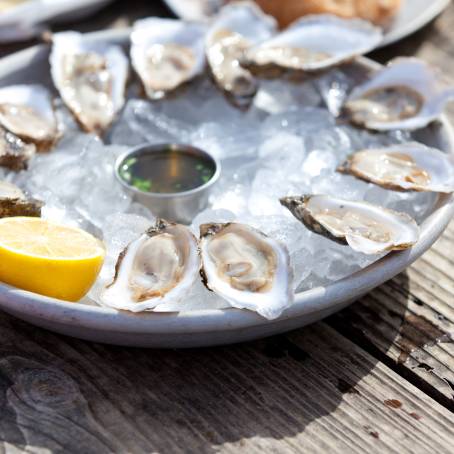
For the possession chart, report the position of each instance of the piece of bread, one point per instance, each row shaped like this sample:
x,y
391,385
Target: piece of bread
x,y
286,11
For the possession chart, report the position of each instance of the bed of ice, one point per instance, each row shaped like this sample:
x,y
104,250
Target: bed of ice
x,y
287,143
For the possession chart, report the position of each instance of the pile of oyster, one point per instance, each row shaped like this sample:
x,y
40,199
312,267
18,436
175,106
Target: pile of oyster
x,y
241,48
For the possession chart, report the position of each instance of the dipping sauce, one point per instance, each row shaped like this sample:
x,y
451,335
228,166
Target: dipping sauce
x,y
167,171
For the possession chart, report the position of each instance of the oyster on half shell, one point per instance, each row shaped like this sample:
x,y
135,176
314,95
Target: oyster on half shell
x,y
27,111
13,202
159,267
14,152
313,43
404,167
166,53
90,77
406,94
236,28
246,268
366,228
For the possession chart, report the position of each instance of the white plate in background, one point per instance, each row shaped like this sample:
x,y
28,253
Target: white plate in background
x,y
29,19
413,15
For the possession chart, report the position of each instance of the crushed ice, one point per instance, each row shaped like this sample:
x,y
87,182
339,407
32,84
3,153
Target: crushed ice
x,y
287,143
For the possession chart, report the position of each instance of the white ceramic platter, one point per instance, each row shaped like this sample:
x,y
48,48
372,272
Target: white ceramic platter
x,y
210,327
413,15
28,19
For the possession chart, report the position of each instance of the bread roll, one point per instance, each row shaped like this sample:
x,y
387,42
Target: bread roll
x,y
286,11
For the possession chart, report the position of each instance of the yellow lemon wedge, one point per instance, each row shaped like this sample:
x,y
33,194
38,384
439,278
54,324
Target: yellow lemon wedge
x,y
50,259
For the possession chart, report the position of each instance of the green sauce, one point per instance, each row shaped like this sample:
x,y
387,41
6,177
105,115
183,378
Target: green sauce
x,y
167,171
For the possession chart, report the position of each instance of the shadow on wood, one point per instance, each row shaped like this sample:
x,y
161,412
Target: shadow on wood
x,y
67,395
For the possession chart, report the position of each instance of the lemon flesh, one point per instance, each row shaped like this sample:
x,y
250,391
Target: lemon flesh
x,y
50,259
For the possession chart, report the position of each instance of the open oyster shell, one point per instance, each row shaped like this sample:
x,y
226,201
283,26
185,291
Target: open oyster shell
x,y
13,202
27,111
90,77
14,152
166,53
366,228
236,28
404,167
313,43
406,94
159,267
246,268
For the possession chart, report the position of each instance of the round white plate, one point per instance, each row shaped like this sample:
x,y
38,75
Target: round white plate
x,y
210,327
413,15
29,19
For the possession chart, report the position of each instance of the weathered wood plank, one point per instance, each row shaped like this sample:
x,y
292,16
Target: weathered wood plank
x,y
309,391
409,322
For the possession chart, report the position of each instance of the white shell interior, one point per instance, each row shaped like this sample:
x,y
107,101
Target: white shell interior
x,y
35,96
417,75
341,39
154,30
246,19
118,294
269,304
65,43
402,227
438,165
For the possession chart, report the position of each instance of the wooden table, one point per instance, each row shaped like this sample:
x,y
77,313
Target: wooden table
x,y
377,377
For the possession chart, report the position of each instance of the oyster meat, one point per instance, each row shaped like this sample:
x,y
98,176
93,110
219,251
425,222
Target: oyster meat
x,y
313,43
237,27
404,167
27,112
14,152
366,228
159,267
246,268
406,94
91,78
166,53
13,202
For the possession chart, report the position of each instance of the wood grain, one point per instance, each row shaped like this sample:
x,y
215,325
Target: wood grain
x,y
418,305
310,391
377,377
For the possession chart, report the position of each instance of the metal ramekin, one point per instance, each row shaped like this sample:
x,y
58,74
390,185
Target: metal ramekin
x,y
180,206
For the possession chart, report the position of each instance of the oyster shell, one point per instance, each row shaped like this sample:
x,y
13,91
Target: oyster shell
x,y
406,94
27,112
237,27
246,268
14,152
90,77
13,202
159,267
166,53
366,228
404,167
313,43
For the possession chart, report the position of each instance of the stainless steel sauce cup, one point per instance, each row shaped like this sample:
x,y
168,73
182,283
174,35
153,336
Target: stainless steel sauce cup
x,y
178,206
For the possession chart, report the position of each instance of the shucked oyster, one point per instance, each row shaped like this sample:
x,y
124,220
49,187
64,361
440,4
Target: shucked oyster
x,y
364,227
91,78
159,267
166,53
13,202
313,43
14,152
406,94
246,268
404,167
237,27
27,111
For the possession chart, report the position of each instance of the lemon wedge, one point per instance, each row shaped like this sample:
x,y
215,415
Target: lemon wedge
x,y
50,259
